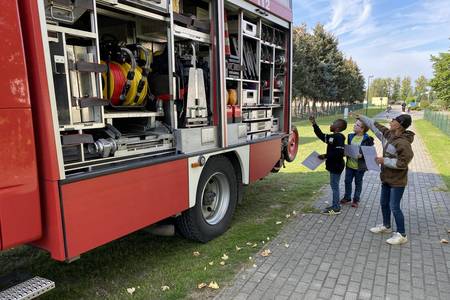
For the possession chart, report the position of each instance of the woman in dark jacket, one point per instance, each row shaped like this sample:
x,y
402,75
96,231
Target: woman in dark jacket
x,y
355,168
397,154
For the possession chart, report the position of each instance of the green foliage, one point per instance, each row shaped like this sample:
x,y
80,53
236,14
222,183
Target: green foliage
x,y
441,81
424,104
421,86
406,89
437,144
320,71
396,86
399,89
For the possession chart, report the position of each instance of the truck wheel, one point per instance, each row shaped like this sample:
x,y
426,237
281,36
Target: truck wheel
x,y
290,151
215,202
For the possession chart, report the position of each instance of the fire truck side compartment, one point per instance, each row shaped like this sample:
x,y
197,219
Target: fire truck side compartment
x,y
115,205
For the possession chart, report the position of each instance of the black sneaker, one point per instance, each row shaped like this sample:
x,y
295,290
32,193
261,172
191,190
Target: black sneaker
x,y
331,211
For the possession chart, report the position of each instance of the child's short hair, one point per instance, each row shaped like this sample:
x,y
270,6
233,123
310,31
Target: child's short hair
x,y
342,124
363,125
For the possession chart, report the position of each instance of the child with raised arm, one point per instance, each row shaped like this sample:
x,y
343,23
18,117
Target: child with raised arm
x,y
356,167
334,158
397,154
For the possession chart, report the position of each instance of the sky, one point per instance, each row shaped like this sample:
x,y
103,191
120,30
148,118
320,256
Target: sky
x,y
387,38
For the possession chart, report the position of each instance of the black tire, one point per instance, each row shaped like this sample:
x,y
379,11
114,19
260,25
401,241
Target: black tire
x,y
193,224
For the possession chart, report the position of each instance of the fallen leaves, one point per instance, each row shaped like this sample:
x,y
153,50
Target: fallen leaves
x,y
222,263
288,216
238,248
286,245
212,285
211,263
224,257
266,253
444,241
131,290
202,285
196,253
165,288
278,222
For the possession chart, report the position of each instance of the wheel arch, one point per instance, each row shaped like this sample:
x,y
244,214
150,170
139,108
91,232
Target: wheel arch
x,y
240,160
236,161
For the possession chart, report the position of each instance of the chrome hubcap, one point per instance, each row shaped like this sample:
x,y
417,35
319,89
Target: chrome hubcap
x,y
215,198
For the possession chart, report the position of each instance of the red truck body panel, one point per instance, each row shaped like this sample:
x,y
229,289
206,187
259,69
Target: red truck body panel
x,y
276,8
263,157
20,216
48,172
102,209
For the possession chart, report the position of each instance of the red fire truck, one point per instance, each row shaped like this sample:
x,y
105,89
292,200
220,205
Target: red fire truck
x,y
118,114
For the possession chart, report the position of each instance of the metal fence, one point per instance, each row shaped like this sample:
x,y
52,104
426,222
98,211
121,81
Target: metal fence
x,y
332,111
438,119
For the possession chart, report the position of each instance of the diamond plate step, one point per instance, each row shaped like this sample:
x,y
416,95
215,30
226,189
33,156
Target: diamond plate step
x,y
29,289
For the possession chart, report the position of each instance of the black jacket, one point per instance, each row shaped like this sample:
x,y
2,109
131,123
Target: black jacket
x,y
335,149
366,141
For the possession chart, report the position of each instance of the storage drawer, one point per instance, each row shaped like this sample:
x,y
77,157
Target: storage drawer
x,y
256,126
160,5
257,114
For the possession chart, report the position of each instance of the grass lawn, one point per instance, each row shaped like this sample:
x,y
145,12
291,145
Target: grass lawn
x,y
147,262
437,144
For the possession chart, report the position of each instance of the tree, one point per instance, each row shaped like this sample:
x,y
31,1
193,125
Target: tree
x,y
379,88
441,80
406,89
421,85
321,73
396,96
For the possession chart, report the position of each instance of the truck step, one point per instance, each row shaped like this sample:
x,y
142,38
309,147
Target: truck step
x,y
29,289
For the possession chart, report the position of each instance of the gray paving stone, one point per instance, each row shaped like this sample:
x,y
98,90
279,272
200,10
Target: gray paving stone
x,y
338,258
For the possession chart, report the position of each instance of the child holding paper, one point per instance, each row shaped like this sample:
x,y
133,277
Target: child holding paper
x,y
397,154
334,158
356,167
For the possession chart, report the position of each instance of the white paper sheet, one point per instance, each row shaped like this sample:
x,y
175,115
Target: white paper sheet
x,y
370,154
351,150
313,161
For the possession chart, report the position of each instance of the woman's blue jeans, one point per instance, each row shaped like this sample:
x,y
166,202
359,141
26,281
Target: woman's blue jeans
x,y
390,202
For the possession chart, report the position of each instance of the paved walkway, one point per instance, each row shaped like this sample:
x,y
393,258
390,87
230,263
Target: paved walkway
x,y
338,258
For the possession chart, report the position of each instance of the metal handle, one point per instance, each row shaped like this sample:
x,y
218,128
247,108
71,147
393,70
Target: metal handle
x,y
64,9
262,12
59,59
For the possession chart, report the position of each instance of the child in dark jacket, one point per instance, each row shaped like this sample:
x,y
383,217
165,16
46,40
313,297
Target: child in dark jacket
x,y
356,168
334,158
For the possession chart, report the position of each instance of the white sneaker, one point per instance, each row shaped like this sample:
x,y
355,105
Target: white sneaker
x,y
397,239
380,229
